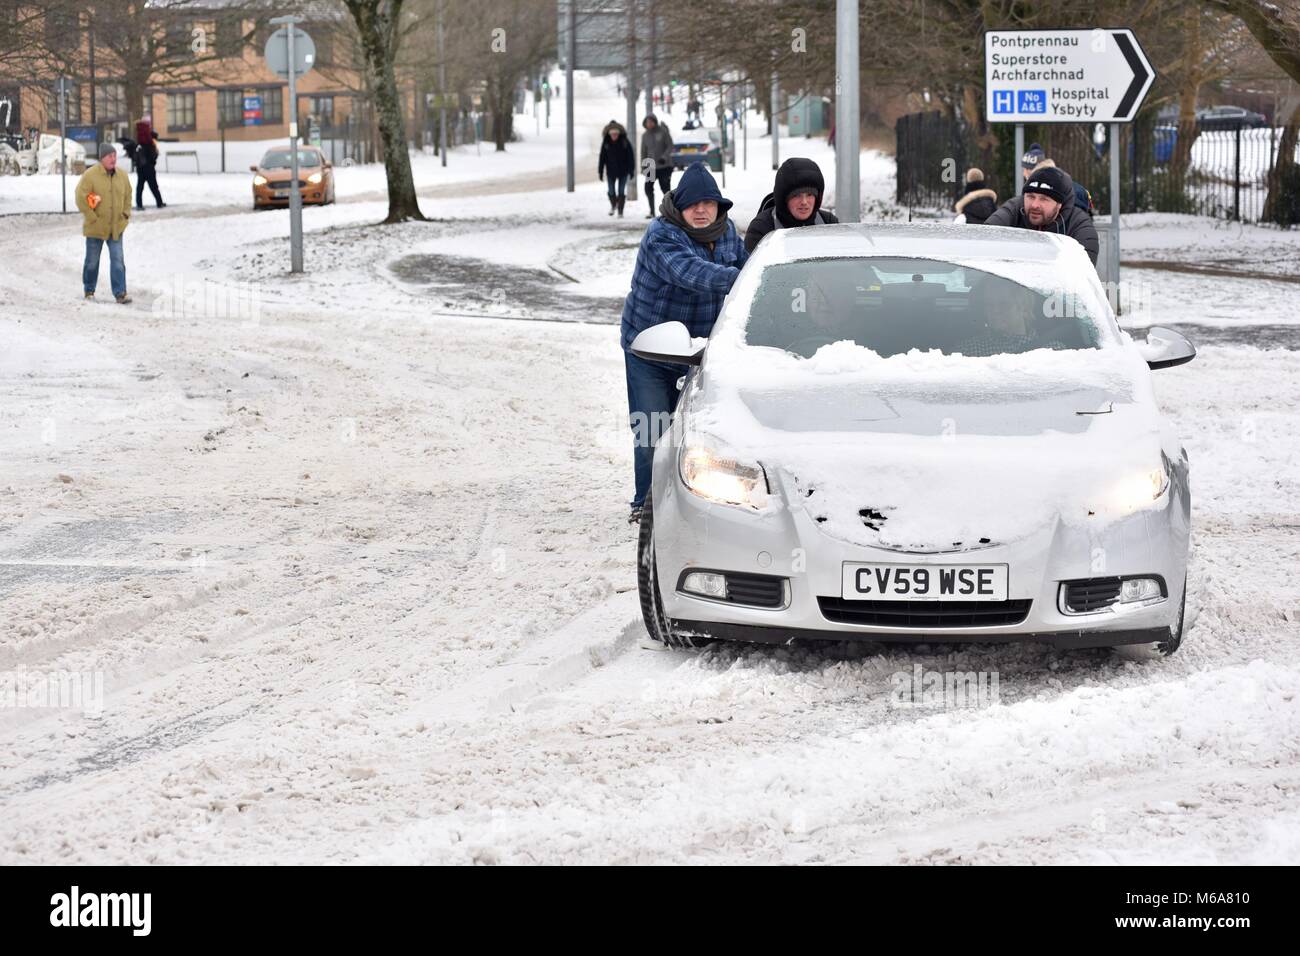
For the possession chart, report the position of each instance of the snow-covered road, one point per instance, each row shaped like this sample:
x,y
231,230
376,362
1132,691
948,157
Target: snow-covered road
x,y
350,560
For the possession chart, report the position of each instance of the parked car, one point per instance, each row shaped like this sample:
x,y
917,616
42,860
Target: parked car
x,y
692,145
1228,117
271,177
947,439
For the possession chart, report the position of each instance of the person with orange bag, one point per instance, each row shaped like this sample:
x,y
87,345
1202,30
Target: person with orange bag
x,y
104,198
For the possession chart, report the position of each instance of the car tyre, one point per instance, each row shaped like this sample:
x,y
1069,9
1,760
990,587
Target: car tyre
x,y
1158,650
657,623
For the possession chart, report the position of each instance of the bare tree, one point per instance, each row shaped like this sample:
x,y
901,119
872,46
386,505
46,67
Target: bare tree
x,y
378,26
1275,25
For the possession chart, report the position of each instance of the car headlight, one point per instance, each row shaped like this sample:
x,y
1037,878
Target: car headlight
x,y
314,178
259,180
1138,490
722,479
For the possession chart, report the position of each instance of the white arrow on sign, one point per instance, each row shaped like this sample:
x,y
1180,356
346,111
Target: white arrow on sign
x,y
1064,76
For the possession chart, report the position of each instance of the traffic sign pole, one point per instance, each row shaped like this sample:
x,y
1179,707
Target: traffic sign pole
x,y
847,203
295,191
1020,155
290,53
63,139
1114,212
569,55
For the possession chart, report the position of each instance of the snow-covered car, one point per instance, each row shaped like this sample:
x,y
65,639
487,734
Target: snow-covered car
x,y
906,432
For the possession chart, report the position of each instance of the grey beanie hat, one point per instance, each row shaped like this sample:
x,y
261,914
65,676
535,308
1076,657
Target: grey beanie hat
x,y
105,149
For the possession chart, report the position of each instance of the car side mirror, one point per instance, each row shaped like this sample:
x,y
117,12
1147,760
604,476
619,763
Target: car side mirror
x,y
669,342
252,169
1165,348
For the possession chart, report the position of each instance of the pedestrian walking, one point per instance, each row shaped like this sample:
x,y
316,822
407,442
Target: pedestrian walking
x,y
104,197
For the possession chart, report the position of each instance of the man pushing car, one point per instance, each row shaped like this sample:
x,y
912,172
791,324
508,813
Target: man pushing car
x,y
689,257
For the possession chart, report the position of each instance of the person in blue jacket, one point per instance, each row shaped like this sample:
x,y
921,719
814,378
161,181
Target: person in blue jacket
x,y
688,259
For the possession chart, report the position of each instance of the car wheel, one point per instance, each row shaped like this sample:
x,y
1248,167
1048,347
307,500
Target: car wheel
x,y
1158,650
657,624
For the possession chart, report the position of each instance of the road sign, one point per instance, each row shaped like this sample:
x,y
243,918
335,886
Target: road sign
x,y
1064,76
277,52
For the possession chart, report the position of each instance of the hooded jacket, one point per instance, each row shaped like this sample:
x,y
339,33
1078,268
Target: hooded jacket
x,y
656,143
978,203
773,213
676,278
616,156
1070,220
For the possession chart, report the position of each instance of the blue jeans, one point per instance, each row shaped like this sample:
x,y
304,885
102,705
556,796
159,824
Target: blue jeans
x,y
616,186
651,399
116,265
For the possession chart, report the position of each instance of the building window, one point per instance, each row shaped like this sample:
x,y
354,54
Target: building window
x,y
230,107
180,112
321,107
272,104
73,106
178,38
110,103
230,37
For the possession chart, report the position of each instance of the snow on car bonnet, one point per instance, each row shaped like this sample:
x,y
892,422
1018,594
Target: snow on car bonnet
x,y
954,450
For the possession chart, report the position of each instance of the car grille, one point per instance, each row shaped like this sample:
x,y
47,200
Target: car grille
x,y
1091,594
925,613
756,590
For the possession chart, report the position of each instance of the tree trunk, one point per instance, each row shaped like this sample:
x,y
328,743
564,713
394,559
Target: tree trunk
x,y
1181,160
377,25
1283,170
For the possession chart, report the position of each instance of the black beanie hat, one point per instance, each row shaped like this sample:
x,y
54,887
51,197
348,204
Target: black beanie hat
x,y
1050,182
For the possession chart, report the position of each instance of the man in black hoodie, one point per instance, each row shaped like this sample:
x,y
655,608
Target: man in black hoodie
x,y
796,200
1048,206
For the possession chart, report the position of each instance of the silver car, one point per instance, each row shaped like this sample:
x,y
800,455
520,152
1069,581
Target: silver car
x,y
917,433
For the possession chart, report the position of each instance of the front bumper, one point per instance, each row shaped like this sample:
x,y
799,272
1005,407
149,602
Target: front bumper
x,y
265,196
693,533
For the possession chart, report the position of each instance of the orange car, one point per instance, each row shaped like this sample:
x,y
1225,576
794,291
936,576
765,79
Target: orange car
x,y
271,177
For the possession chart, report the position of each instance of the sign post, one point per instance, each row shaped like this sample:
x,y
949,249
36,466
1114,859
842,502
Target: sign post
x,y
291,53
847,204
63,85
1068,76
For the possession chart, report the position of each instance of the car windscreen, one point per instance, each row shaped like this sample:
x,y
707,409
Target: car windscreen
x,y
283,158
894,305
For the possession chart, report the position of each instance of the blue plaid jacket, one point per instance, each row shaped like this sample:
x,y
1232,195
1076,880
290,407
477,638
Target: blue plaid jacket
x,y
678,280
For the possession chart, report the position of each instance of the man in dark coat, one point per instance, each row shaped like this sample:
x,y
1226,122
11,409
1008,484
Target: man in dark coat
x,y
978,202
1048,206
656,159
616,164
688,259
795,200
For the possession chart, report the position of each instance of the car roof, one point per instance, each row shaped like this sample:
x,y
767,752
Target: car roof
x,y
942,241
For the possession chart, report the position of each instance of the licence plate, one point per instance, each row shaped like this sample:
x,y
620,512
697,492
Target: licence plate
x,y
282,194
929,582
